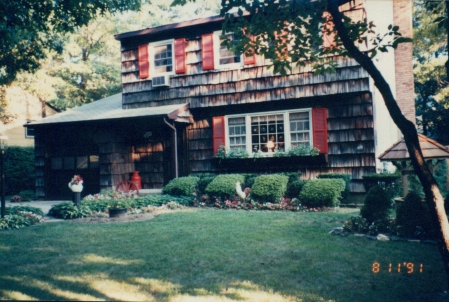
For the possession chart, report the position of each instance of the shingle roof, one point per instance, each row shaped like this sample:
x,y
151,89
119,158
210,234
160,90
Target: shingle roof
x,y
431,149
107,108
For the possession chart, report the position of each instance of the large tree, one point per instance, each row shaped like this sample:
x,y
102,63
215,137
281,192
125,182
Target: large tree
x,y
28,28
293,29
430,52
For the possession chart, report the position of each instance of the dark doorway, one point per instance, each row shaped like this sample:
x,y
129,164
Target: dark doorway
x,y
63,168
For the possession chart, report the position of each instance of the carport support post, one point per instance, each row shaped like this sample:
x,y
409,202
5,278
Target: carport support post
x,y
77,198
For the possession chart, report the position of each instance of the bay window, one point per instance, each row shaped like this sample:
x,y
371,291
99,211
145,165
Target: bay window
x,y
262,132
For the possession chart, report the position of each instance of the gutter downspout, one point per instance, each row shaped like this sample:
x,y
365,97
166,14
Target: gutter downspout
x,y
176,146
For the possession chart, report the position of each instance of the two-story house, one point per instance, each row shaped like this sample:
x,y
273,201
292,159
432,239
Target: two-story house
x,y
184,95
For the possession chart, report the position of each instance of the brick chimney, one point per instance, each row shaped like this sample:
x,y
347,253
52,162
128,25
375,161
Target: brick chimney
x,y
403,55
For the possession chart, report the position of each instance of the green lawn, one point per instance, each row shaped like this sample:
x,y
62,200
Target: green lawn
x,y
211,255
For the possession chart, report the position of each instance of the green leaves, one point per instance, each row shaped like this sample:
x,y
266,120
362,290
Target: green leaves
x,y
28,29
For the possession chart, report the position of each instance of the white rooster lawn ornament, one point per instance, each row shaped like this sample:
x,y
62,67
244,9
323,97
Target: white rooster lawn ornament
x,y
240,193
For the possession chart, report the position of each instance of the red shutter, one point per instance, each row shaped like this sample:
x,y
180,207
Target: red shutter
x,y
207,51
180,55
218,132
319,127
144,65
250,60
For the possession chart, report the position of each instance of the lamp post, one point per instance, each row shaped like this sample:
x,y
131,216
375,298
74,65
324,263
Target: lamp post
x,y
3,139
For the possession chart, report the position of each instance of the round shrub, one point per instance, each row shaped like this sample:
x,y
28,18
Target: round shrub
x,y
377,204
249,179
269,188
204,181
412,217
345,177
223,186
294,188
181,186
322,192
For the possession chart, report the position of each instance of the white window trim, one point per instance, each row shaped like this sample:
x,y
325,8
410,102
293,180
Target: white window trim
x,y
152,52
287,138
217,64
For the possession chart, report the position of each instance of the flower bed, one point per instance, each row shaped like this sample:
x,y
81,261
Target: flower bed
x,y
20,217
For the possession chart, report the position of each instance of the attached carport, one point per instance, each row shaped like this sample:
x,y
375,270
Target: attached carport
x,y
104,144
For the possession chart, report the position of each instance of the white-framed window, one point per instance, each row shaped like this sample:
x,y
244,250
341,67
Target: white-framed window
x,y
162,58
29,132
266,132
225,58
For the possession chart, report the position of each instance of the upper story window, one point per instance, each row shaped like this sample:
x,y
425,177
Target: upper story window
x,y
224,57
161,58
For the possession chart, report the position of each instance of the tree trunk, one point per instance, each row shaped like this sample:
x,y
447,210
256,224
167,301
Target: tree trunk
x,y
447,44
433,195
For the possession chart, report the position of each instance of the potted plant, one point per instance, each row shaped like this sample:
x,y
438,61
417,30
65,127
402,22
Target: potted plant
x,y
76,184
117,208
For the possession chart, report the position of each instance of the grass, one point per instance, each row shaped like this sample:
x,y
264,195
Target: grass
x,y
211,255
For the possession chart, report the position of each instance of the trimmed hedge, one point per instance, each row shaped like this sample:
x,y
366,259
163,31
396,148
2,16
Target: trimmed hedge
x,y
223,186
322,192
345,177
377,204
249,179
182,186
205,180
19,169
295,188
269,188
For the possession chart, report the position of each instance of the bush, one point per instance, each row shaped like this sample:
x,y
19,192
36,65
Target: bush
x,y
19,220
294,188
292,176
412,217
345,177
20,169
223,186
96,205
14,210
322,192
387,181
205,180
68,210
269,188
181,186
249,179
27,195
158,200
377,204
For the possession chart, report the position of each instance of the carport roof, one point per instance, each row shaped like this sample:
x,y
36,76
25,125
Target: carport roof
x,y
110,108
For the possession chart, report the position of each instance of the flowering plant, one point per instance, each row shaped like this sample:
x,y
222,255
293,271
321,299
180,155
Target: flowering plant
x,y
119,204
76,180
16,198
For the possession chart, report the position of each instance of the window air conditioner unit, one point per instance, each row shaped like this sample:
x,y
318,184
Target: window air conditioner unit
x,y
161,81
